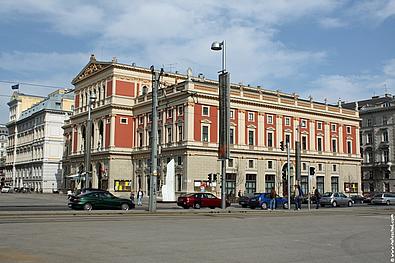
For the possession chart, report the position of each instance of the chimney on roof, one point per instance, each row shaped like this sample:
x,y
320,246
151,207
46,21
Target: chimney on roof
x,y
114,60
133,64
92,58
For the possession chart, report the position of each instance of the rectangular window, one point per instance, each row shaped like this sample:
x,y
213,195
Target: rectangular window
x,y
269,139
333,127
205,111
319,125
251,137
287,121
124,120
169,135
250,163
270,181
230,162
385,136
141,120
386,156
269,164
140,139
303,123
149,117
334,168
159,136
250,184
369,138
349,148
232,114
348,128
304,143
269,119
180,110
369,122
179,160
205,133
334,184
334,145
180,133
288,139
169,113
320,167
304,184
320,184
319,144
385,120
231,136
250,116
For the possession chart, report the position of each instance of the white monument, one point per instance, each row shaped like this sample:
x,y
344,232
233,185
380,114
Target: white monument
x,y
168,189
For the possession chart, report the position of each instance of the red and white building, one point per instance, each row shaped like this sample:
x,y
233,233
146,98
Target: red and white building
x,y
188,133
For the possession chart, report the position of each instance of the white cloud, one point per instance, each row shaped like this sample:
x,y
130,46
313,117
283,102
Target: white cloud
x,y
330,22
376,11
389,68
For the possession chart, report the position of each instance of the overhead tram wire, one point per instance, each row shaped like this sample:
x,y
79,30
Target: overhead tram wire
x,y
32,84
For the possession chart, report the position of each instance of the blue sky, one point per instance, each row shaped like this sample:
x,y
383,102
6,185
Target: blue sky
x,y
326,49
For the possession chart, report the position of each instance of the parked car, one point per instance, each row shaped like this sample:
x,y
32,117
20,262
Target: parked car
x,y
358,199
383,198
262,200
99,200
245,199
335,199
6,189
198,200
369,197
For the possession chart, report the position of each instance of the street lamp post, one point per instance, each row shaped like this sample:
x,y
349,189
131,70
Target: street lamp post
x,y
224,115
92,99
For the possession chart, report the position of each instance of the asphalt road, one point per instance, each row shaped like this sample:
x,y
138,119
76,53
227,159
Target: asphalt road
x,y
356,234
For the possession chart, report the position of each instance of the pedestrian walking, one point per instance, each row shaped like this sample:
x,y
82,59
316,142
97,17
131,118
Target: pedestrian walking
x,y
140,195
296,197
317,198
273,194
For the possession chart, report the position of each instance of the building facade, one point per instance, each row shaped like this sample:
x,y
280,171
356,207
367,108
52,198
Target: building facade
x,y
35,141
377,142
188,134
3,145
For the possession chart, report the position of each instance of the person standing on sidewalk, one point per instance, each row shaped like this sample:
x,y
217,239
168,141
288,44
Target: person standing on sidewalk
x,y
140,195
296,197
317,198
273,194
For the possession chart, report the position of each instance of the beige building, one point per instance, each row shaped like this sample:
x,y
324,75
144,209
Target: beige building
x,y
188,133
35,140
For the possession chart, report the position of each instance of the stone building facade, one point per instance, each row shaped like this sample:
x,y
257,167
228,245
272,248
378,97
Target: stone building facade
x,y
188,133
3,145
377,142
35,141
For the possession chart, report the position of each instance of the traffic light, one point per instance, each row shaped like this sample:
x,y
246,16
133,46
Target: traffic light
x,y
215,177
312,170
209,177
282,146
284,175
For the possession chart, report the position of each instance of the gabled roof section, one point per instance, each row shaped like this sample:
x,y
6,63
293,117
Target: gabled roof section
x,y
91,68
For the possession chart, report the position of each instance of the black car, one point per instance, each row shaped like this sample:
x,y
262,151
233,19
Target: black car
x,y
99,200
358,199
245,199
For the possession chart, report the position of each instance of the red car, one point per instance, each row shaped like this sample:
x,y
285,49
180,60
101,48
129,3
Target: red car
x,y
198,200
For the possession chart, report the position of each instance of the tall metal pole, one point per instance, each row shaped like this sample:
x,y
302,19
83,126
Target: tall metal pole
x,y
88,145
154,140
289,176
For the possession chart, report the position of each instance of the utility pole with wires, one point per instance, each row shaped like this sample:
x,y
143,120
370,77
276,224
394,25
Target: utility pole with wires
x,y
154,140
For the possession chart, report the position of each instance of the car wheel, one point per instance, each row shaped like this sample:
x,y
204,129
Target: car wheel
x,y
197,206
388,202
212,207
334,204
88,207
264,206
244,206
285,205
125,207
186,207
349,203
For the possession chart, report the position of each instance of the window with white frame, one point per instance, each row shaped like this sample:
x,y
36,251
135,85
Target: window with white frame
x,y
269,139
232,136
334,167
250,116
180,133
141,120
169,135
303,123
288,139
384,137
251,137
170,113
124,120
205,111
334,145
287,121
333,127
304,166
270,119
180,110
348,129
319,144
230,162
319,125
320,167
349,147
386,156
232,114
205,134
304,142
250,163
269,164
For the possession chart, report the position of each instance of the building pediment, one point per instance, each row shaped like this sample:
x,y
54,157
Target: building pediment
x,y
90,69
